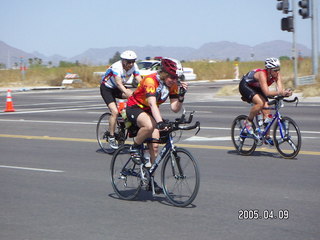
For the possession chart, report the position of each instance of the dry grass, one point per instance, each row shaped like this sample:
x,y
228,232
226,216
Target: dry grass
x,y
203,69
48,76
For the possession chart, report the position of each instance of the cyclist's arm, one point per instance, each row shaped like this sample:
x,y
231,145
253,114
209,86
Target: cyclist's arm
x,y
175,104
262,78
280,89
279,84
138,78
122,88
154,108
177,97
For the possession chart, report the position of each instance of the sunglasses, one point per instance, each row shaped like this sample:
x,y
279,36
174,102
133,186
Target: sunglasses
x,y
131,61
173,77
276,69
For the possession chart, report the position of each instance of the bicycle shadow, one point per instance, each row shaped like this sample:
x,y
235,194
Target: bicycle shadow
x,y
146,196
261,153
100,151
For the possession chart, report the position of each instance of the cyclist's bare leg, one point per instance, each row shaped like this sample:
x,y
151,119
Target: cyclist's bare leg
x,y
112,120
153,147
146,126
266,112
259,103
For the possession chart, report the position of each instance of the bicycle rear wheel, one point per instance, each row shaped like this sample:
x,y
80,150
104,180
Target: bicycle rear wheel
x,y
180,177
125,174
244,143
102,133
287,138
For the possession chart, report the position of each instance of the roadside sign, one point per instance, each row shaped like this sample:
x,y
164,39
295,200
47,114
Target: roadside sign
x,y
306,80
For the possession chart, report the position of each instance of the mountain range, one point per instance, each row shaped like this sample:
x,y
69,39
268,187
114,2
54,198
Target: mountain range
x,y
212,51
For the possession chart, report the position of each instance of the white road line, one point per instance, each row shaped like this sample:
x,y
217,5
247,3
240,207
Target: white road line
x,y
95,122
219,107
32,169
215,128
54,103
52,110
39,121
201,139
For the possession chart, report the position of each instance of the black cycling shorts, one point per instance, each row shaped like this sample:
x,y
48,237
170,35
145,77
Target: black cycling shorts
x,y
109,95
133,112
247,92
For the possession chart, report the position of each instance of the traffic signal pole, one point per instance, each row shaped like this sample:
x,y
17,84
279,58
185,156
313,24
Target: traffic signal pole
x,y
294,46
314,19
289,24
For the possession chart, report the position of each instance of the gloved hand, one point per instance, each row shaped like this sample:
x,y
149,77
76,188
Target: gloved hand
x,y
163,126
182,91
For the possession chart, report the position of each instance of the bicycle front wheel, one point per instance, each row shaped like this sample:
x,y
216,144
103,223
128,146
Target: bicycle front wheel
x,y
244,143
125,174
180,177
287,137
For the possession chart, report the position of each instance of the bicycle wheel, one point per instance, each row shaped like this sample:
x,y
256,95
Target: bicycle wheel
x,y
180,177
125,174
102,133
244,143
287,138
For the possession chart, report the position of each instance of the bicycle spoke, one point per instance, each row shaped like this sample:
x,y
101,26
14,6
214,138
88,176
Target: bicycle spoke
x,y
287,138
291,143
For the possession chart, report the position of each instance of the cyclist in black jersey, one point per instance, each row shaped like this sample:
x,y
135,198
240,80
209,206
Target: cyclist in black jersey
x,y
254,88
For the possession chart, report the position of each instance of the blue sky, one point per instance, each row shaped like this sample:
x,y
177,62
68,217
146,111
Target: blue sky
x,y
69,27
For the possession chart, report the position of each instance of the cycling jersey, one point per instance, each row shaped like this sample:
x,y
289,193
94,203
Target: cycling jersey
x,y
253,82
116,69
151,85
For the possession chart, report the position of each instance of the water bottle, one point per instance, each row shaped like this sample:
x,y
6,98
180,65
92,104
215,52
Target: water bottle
x,y
286,127
122,109
267,120
121,104
127,123
259,119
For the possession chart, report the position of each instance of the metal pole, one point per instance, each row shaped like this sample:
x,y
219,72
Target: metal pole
x,y
314,19
294,45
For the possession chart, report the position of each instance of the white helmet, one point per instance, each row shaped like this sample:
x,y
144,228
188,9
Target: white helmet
x,y
272,63
128,55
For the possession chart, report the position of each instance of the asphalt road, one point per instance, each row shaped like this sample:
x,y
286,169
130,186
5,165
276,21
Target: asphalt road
x,y
55,183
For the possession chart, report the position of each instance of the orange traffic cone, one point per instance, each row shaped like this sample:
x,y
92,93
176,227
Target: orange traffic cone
x,y
9,104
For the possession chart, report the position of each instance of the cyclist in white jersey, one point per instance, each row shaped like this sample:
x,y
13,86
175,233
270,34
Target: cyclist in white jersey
x,y
112,87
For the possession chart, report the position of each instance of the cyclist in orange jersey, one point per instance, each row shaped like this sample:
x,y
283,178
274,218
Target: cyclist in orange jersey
x,y
143,106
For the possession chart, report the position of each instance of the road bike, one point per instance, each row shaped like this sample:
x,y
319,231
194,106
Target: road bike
x,y
121,131
180,175
286,133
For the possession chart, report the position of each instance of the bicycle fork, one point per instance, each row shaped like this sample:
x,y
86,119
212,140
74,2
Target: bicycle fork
x,y
175,161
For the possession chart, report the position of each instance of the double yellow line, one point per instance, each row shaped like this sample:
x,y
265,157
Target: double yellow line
x,y
181,145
